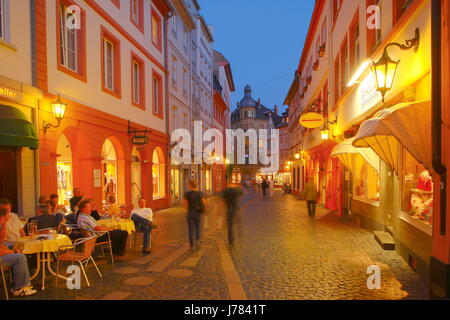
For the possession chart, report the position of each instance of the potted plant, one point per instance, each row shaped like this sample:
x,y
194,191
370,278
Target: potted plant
x,y
308,80
322,50
316,65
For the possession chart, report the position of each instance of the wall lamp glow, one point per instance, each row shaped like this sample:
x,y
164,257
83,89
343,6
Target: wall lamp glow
x,y
384,70
325,131
357,75
59,110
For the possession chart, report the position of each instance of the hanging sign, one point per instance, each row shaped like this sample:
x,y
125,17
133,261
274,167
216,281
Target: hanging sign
x,y
311,120
139,140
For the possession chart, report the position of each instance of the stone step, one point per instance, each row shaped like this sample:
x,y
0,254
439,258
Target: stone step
x,y
385,240
390,230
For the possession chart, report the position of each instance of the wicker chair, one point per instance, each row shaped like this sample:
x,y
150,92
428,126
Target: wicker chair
x,y
89,233
83,257
5,287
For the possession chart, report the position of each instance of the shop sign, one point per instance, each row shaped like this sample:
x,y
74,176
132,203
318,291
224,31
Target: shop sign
x,y
370,96
10,94
312,120
139,140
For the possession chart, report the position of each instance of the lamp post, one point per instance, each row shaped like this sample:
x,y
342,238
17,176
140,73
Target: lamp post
x,y
384,70
59,110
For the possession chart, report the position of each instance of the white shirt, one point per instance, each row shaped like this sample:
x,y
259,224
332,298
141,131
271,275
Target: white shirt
x,y
145,213
13,226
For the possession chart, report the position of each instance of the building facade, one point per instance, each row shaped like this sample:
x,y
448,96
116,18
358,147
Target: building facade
x,y
384,181
103,63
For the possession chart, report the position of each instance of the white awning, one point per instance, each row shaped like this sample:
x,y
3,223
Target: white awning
x,y
406,123
345,151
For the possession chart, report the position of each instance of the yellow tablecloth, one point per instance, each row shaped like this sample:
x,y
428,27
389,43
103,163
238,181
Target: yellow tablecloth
x,y
29,246
121,224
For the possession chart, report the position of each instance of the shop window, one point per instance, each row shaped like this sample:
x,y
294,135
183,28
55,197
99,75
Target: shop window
x,y
64,174
71,39
157,175
417,191
110,63
109,170
366,186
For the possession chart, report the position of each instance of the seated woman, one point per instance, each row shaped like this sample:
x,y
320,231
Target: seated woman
x,y
15,260
87,222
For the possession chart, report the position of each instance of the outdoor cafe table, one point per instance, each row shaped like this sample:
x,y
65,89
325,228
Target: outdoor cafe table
x,y
43,248
118,224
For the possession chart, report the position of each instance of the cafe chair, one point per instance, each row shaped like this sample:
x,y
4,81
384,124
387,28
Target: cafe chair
x,y
2,270
68,253
89,233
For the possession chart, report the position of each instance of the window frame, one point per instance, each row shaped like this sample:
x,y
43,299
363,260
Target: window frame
x,y
155,17
136,60
3,21
157,97
80,73
354,43
139,24
116,63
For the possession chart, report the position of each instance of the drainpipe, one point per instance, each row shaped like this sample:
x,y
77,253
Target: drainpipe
x,y
166,65
436,143
37,173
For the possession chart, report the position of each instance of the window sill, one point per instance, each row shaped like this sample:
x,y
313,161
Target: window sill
x,y
368,201
8,45
418,224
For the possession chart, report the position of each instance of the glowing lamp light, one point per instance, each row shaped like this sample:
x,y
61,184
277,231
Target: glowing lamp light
x,y
357,76
287,167
297,156
59,110
227,161
325,134
384,70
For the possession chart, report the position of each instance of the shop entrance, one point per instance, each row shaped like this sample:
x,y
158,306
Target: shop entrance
x,y
175,185
331,188
8,175
109,170
136,181
64,175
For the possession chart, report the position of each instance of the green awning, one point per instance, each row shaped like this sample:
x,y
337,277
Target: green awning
x,y
16,130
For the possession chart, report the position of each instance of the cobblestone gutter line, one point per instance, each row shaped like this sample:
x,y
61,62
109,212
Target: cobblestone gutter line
x,y
232,279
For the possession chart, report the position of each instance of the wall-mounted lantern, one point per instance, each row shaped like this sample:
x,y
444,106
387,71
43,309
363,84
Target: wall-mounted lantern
x,y
384,70
59,110
325,131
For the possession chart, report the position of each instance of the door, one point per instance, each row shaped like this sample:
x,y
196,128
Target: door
x,y
346,187
136,178
8,175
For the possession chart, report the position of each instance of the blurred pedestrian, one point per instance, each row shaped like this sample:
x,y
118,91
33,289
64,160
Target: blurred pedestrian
x,y
264,186
310,195
195,204
231,198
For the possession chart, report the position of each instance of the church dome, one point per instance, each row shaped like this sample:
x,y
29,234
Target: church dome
x,y
248,101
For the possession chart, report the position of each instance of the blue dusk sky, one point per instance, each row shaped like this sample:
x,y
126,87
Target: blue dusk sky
x,y
263,40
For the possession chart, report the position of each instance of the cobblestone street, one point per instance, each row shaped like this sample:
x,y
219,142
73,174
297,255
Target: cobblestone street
x,y
279,254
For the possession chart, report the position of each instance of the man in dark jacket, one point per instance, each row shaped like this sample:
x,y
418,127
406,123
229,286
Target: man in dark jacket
x,y
264,186
231,198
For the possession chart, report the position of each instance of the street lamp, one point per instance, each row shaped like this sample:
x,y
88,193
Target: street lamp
x,y
297,156
59,110
325,131
384,69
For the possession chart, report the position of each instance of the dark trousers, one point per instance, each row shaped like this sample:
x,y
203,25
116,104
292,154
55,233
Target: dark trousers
x,y
144,226
118,240
264,190
193,220
311,208
230,224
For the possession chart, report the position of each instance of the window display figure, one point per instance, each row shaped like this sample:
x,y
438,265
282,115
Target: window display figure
x,y
421,203
110,187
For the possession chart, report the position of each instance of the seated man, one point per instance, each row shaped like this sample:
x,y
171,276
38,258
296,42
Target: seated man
x,y
86,222
16,261
14,230
143,218
46,219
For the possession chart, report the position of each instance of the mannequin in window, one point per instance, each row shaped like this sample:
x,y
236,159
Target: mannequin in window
x,y
110,187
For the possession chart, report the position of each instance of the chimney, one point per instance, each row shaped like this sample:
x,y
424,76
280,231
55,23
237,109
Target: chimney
x,y
275,110
259,102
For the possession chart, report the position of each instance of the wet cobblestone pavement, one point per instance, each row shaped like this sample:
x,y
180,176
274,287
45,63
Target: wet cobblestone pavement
x,y
279,254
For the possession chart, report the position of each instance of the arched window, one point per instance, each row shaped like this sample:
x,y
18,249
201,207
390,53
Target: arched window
x,y
158,174
109,168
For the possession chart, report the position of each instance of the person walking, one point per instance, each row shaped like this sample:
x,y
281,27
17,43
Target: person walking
x,y
264,186
231,198
271,188
195,204
310,195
